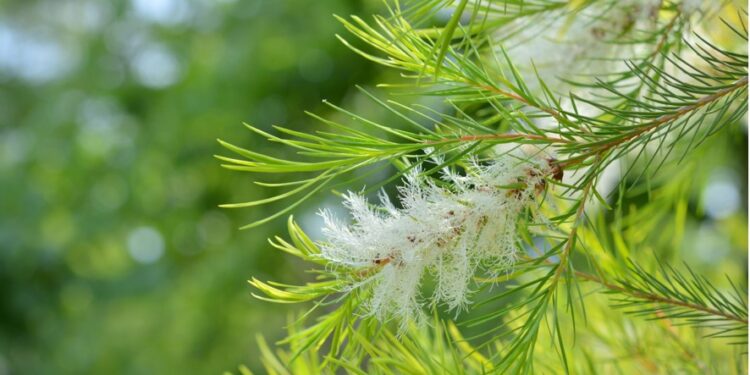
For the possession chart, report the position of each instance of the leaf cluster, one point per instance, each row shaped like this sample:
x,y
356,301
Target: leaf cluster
x,y
651,114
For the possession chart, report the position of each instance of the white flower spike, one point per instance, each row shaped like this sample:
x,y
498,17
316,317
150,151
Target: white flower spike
x,y
450,233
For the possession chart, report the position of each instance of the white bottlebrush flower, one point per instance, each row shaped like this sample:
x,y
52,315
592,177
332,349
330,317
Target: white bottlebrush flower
x,y
448,232
690,6
567,46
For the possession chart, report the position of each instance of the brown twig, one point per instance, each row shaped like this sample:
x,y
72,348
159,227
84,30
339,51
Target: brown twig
x,y
505,136
658,299
664,119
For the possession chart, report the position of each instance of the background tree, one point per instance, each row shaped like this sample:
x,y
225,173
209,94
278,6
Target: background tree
x,y
114,257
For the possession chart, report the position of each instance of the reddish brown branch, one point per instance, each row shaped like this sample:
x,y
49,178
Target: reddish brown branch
x,y
504,136
665,119
658,299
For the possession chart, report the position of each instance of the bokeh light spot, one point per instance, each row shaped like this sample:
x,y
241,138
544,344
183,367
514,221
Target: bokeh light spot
x,y
167,12
721,198
145,245
155,66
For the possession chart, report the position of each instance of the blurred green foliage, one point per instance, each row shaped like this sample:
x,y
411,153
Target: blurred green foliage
x,y
114,257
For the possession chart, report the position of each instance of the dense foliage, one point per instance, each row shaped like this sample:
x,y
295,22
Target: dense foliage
x,y
551,194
